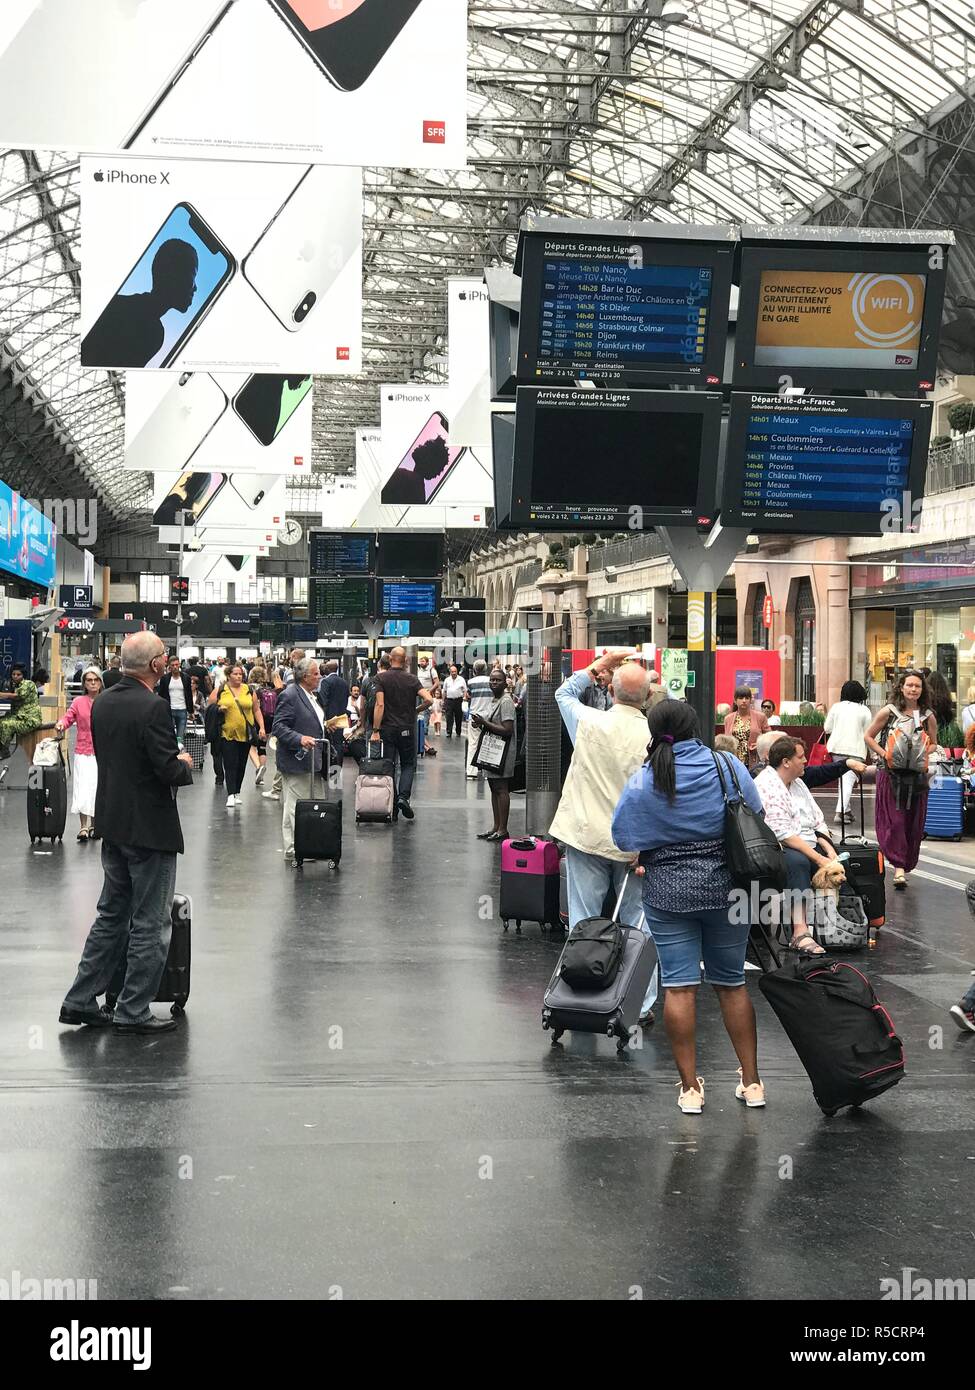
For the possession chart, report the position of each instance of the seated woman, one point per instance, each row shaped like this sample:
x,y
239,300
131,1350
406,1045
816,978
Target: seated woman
x,y
25,715
672,813
792,813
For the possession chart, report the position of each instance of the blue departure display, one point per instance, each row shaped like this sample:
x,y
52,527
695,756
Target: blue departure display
x,y
849,463
403,599
333,553
598,316
824,465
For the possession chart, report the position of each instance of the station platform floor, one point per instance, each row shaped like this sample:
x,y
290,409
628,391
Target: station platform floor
x,y
445,1149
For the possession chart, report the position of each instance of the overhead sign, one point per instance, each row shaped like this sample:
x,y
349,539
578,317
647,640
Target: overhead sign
x,y
76,596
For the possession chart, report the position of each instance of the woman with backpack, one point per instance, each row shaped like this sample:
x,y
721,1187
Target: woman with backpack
x,y
265,691
901,736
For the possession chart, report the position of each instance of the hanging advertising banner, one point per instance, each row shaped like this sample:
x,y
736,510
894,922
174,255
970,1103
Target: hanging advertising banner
x,y
28,541
469,369
358,82
367,510
218,424
695,621
194,264
422,465
249,502
673,671
208,568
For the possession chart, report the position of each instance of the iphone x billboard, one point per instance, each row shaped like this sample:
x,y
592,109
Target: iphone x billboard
x,y
423,465
251,422
322,81
237,267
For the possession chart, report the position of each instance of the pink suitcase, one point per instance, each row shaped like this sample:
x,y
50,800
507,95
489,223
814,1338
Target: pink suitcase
x,y
374,798
530,882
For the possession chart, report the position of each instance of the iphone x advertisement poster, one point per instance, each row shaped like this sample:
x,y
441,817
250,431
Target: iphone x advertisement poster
x,y
357,501
357,82
219,502
423,466
469,367
198,265
250,422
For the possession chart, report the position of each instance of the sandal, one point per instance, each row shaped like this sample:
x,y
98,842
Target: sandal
x,y
488,835
801,950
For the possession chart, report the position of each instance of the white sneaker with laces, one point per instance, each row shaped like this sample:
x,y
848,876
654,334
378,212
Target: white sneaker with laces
x,y
753,1095
231,802
691,1102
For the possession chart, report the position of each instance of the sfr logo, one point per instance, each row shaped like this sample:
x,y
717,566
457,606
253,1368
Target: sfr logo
x,y
434,133
342,354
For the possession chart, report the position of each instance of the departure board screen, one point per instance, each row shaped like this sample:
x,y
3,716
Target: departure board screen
x,y
605,459
621,312
832,464
341,598
341,552
400,599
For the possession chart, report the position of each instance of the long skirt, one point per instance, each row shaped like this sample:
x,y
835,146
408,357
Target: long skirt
x,y
899,832
85,784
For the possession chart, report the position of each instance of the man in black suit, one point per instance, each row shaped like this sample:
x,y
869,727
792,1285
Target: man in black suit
x,y
333,696
139,769
299,727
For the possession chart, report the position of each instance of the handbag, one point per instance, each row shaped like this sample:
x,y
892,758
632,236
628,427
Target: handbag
x,y
751,848
492,749
819,753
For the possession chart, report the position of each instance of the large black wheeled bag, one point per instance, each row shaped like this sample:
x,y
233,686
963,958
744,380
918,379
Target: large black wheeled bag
x,y
174,987
47,801
865,872
318,823
843,1035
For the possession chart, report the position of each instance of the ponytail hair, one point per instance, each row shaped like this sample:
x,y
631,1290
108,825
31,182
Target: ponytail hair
x,y
669,722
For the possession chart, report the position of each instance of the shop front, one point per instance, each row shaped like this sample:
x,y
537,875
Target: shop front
x,y
918,613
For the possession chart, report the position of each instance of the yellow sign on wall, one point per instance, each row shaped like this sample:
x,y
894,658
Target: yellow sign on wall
x,y
695,621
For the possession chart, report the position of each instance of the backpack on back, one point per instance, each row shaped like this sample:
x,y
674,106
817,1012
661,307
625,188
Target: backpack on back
x,y
907,748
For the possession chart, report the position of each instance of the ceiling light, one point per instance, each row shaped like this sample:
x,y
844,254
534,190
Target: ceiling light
x,y
674,12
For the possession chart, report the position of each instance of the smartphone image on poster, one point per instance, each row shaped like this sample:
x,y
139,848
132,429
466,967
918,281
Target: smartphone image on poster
x,y
252,488
346,38
192,493
103,66
265,403
295,261
425,467
165,297
179,425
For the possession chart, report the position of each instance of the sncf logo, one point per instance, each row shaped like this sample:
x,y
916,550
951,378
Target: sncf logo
x,y
901,360
434,133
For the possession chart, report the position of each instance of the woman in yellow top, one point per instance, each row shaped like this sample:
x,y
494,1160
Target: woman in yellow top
x,y
241,714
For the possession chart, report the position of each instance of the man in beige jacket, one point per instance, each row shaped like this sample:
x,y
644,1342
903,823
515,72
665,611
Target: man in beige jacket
x,y
609,746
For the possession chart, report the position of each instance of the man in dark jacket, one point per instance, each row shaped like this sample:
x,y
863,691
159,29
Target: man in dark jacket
x,y
299,727
139,768
333,696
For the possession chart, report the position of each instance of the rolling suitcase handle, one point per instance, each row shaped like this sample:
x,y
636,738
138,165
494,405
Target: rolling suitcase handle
x,y
619,904
327,744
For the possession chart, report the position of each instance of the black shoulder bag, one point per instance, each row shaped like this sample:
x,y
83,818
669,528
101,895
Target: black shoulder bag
x,y
751,848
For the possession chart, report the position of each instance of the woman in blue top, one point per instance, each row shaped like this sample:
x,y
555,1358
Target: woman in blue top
x,y
672,814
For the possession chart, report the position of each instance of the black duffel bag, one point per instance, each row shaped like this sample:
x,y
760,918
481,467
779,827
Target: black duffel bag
x,y
592,954
752,851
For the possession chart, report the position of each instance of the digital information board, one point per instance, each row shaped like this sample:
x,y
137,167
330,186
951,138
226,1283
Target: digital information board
x,y
340,598
338,553
823,464
407,598
634,313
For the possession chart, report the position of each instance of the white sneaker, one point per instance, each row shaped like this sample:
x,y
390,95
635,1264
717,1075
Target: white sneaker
x,y
238,800
753,1095
270,796
260,776
231,801
692,1102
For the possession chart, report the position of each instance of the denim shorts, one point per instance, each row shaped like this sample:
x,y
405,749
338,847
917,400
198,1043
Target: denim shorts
x,y
684,939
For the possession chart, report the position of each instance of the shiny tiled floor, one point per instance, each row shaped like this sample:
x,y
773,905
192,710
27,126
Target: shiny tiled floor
x,y
361,1095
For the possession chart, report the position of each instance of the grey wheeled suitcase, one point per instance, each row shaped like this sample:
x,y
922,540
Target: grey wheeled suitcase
x,y
614,1010
375,788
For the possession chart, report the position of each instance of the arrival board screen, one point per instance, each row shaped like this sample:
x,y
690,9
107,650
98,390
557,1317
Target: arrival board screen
x,y
816,464
400,599
600,459
634,313
829,318
340,598
336,553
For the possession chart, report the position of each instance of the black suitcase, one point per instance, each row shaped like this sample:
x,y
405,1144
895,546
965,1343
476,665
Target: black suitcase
x,y
865,872
174,987
318,823
47,802
843,1035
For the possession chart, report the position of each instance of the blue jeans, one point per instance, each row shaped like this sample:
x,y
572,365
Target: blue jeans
x,y
136,903
590,877
684,939
401,744
179,725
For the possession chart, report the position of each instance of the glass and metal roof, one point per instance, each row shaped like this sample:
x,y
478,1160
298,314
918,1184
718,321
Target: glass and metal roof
x,y
858,112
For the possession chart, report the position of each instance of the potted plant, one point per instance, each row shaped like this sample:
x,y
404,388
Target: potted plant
x,y
961,417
